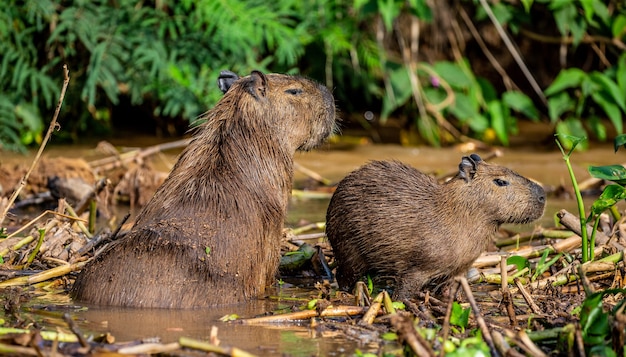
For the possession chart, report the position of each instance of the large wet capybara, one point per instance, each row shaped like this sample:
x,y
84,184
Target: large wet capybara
x,y
211,233
391,220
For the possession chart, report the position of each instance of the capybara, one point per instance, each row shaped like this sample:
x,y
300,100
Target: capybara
x,y
211,233
391,220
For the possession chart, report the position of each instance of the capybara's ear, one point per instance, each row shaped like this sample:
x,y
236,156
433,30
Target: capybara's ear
x,y
257,85
226,80
467,167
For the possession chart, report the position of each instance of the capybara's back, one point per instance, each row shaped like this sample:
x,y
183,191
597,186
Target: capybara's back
x,y
211,233
389,219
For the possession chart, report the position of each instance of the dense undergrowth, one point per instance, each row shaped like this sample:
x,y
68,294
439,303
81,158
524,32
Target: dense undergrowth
x,y
449,69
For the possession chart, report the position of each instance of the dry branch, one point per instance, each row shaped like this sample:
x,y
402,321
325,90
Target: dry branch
x,y
44,142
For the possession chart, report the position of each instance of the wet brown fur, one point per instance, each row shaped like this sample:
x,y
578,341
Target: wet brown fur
x,y
389,219
227,195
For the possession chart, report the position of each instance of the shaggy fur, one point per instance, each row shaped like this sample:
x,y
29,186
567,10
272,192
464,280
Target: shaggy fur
x,y
389,219
211,233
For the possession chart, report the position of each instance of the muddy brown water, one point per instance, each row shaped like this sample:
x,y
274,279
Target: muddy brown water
x,y
333,162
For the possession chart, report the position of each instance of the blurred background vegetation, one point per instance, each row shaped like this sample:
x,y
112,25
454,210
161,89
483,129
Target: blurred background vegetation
x,y
444,70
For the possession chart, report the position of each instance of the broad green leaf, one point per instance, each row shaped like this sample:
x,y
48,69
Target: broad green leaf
x,y
434,95
389,11
588,86
564,13
479,123
29,114
520,262
567,78
559,104
611,110
570,132
610,87
619,26
609,197
619,140
588,9
453,74
597,127
615,173
428,129
499,121
489,93
593,320
464,108
459,316
602,12
401,92
578,28
520,102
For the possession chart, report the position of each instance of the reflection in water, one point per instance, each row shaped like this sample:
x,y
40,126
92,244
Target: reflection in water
x,y
127,324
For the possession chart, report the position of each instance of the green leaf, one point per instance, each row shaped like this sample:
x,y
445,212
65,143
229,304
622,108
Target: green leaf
x,y
464,107
527,4
487,89
619,26
520,262
29,114
421,9
567,78
520,102
559,104
401,91
389,336
570,132
389,11
611,110
588,9
429,130
479,123
498,121
459,316
593,320
610,87
602,12
615,173
619,140
597,127
453,74
564,14
609,197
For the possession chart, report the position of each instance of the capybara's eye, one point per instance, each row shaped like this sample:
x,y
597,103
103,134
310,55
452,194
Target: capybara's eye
x,y
294,91
501,182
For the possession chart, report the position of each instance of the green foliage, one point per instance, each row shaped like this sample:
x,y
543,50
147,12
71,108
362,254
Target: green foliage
x,y
578,100
596,324
452,90
610,196
165,56
520,262
471,346
459,316
575,94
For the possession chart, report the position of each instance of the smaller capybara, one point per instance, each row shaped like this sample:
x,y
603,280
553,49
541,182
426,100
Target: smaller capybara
x,y
391,220
211,233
